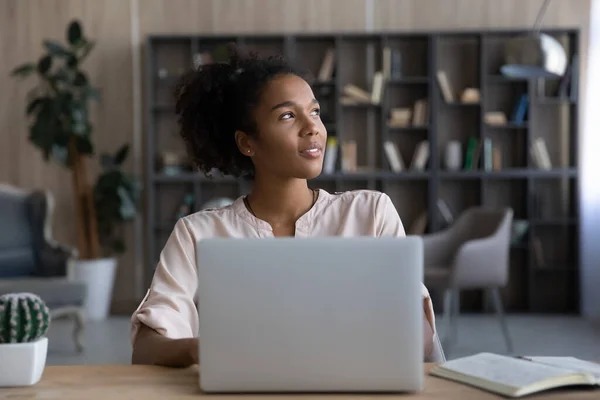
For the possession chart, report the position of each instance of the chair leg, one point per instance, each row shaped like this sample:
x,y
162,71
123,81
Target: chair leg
x,y
451,311
78,331
497,301
447,317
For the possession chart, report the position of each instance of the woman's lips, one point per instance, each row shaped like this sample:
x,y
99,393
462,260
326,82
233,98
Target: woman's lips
x,y
312,152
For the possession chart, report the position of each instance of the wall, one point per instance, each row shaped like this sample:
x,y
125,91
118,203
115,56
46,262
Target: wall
x,y
121,26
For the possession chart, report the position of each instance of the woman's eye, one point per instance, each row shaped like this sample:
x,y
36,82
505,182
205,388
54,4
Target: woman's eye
x,y
316,111
287,115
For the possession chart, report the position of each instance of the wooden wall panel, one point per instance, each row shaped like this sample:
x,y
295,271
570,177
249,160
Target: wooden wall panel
x,y
204,16
25,23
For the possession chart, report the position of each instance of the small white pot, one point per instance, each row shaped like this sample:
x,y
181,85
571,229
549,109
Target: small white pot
x,y
22,364
99,276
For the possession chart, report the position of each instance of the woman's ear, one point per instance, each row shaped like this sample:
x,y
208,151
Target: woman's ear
x,y
244,143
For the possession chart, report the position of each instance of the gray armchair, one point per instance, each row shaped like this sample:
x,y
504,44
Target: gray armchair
x,y
473,253
31,261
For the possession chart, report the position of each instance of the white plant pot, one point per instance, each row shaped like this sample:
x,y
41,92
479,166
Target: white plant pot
x,y
22,364
99,276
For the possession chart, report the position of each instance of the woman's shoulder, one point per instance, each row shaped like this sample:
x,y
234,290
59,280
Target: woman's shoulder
x,y
364,198
211,221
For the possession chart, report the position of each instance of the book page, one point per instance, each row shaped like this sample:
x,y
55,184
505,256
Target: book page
x,y
503,370
571,363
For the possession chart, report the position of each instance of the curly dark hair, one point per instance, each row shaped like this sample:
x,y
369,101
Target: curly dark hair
x,y
217,99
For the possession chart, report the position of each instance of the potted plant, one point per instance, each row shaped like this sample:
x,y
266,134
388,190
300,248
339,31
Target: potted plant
x,y
61,129
24,320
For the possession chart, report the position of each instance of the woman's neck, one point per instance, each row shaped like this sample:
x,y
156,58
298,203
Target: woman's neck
x,y
280,202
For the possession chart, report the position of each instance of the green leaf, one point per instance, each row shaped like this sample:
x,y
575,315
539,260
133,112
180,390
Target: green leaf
x,y
60,154
35,103
106,161
80,79
44,64
74,33
86,50
72,61
92,93
23,70
55,48
85,146
127,209
122,154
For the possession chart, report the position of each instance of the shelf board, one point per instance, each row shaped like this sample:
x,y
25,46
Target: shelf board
x,y
187,177
516,173
458,104
376,175
554,173
509,125
409,80
361,105
423,128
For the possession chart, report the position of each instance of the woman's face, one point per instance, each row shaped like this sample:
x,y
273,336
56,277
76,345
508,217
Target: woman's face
x,y
291,137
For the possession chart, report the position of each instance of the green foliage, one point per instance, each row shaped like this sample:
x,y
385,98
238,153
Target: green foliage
x,y
116,196
24,317
59,105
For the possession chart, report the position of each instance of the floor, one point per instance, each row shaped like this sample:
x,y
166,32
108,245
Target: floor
x,y
108,342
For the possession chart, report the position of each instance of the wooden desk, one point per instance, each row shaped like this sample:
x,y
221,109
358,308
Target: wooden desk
x,y
146,382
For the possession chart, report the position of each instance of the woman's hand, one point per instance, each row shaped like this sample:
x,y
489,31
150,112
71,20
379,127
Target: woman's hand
x,y
154,349
193,350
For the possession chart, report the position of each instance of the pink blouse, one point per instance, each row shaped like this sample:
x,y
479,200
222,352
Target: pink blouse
x,y
169,305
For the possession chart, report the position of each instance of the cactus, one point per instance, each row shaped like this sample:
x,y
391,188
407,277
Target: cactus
x,y
24,317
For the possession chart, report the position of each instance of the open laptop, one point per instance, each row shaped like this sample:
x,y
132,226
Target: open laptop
x,y
324,314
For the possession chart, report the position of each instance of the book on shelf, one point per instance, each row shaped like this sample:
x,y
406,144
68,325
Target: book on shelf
x,y
349,156
331,153
445,87
377,88
495,118
539,154
327,66
421,112
352,94
421,156
393,156
518,376
400,117
391,63
445,212
520,110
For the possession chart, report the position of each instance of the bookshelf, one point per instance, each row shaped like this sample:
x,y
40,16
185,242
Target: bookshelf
x,y
503,141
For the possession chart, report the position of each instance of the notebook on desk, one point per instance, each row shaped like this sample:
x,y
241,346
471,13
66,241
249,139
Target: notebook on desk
x,y
519,376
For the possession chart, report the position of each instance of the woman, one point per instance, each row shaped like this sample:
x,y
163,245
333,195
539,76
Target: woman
x,y
254,118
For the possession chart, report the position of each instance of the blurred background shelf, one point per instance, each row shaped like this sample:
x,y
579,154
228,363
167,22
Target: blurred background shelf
x,y
546,199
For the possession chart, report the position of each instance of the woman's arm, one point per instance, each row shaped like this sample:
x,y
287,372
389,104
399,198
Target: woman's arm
x,y
150,347
166,322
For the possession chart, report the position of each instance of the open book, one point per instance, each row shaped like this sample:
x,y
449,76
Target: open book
x,y
516,377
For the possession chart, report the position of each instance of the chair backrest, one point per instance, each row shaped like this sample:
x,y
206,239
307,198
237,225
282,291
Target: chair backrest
x,y
19,243
482,222
493,224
